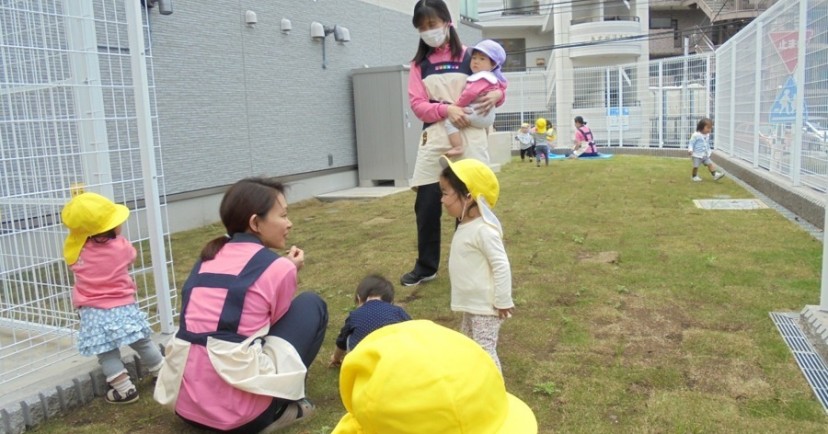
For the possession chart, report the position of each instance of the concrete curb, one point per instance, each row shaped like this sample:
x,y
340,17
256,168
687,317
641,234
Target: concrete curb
x,y
57,395
814,324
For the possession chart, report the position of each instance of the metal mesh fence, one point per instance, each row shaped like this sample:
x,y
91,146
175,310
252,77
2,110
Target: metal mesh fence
x,y
70,121
772,93
650,104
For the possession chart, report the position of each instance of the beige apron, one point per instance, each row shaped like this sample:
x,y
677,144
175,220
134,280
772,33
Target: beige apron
x,y
273,369
445,87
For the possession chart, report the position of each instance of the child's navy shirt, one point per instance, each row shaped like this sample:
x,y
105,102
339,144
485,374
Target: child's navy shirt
x,y
367,318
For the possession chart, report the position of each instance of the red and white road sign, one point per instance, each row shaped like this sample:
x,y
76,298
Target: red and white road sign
x,y
786,44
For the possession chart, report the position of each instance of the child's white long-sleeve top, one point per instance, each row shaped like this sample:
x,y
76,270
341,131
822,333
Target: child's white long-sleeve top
x,y
525,139
481,277
699,145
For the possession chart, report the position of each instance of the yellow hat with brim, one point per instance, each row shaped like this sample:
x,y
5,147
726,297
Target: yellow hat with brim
x,y
85,215
541,124
420,377
478,177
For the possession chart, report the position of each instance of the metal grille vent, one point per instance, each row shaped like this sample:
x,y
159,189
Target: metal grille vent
x,y
806,357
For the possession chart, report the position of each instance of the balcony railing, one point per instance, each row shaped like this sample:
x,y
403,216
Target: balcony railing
x,y
599,18
521,7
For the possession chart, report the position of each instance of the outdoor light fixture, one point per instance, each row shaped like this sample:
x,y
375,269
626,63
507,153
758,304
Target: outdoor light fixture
x,y
250,18
319,32
341,34
286,26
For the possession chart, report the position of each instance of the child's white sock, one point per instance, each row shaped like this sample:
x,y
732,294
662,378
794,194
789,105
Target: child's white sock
x,y
123,386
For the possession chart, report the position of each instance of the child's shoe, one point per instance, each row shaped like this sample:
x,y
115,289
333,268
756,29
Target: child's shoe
x,y
114,397
696,179
717,176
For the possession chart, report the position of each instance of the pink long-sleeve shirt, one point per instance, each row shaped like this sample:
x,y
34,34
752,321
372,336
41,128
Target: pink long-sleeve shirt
x,y
475,89
423,108
204,397
102,277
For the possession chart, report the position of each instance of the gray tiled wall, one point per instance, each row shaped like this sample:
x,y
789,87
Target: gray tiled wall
x,y
237,101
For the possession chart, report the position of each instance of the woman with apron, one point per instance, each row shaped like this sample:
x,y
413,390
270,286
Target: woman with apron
x,y
437,76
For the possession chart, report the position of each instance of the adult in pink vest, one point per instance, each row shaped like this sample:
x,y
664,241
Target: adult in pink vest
x,y
436,79
584,142
239,360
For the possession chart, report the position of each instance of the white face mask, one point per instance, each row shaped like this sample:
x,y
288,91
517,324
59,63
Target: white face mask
x,y
434,37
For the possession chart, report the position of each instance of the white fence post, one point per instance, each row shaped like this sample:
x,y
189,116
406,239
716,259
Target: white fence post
x,y
757,102
150,174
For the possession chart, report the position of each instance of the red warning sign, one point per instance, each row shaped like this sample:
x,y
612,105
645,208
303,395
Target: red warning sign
x,y
787,45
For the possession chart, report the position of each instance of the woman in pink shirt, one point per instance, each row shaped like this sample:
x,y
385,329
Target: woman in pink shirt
x,y
104,292
436,79
584,142
239,360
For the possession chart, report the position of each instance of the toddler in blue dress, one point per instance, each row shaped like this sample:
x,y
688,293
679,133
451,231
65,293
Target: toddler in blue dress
x,y
104,292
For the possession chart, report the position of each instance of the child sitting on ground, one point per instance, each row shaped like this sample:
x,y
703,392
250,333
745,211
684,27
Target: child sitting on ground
x,y
486,59
374,299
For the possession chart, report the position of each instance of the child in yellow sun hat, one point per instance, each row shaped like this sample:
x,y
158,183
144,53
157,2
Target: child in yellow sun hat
x,y
479,270
419,377
104,292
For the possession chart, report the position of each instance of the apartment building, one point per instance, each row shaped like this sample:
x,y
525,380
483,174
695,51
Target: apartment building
x,y
563,40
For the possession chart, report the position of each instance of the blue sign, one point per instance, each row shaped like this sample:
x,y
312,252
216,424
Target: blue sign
x,y
618,118
783,110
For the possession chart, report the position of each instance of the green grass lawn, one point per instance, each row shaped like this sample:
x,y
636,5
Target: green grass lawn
x,y
672,337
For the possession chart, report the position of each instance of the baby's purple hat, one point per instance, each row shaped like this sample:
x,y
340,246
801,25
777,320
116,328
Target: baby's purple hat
x,y
495,52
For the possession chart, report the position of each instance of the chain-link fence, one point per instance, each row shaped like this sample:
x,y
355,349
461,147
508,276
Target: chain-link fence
x,y
76,114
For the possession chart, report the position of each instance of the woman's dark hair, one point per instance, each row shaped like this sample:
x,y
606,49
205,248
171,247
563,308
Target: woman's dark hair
x,y
375,285
704,122
244,198
580,120
425,9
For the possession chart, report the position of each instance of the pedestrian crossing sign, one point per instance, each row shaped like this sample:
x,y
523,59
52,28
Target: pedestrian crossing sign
x,y
783,110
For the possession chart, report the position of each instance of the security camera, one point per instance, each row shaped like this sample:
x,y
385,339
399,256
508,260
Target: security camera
x,y
317,30
250,18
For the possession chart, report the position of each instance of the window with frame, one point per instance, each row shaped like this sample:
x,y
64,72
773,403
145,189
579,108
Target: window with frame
x,y
677,39
661,23
515,54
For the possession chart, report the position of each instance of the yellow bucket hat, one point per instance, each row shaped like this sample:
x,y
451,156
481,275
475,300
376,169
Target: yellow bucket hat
x,y
85,215
419,377
478,177
541,124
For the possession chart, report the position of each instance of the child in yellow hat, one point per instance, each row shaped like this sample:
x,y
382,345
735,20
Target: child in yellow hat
x,y
479,270
104,292
419,377
543,133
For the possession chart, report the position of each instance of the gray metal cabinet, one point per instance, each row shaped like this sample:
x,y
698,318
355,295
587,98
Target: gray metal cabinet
x,y
387,131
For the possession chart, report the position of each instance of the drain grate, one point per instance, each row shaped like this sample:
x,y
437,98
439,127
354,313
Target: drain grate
x,y
729,204
808,360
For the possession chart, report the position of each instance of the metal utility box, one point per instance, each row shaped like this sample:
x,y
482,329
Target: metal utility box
x,y
387,131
